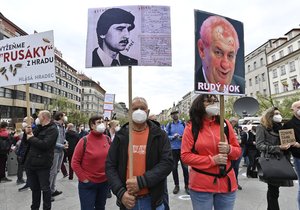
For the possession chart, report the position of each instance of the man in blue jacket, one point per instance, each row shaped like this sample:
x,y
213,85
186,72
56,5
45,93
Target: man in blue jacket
x,y
175,131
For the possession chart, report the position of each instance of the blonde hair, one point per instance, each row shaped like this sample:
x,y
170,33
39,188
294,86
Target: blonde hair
x,y
267,118
114,123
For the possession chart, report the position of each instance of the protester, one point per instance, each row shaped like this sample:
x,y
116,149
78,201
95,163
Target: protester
x,y
267,140
114,126
72,138
294,123
88,163
210,187
59,120
113,33
146,188
6,141
38,160
175,131
82,131
236,163
21,152
252,153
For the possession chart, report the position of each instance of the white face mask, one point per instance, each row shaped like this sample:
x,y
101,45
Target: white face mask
x,y
100,128
212,109
298,113
24,124
65,119
117,128
139,116
277,118
37,121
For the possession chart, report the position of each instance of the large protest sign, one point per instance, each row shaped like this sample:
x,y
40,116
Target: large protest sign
x,y
219,55
27,59
129,36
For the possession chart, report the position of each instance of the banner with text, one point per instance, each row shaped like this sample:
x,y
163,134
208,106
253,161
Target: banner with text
x,y
27,59
109,100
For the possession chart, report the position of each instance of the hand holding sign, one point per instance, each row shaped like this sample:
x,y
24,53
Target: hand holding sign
x,y
287,136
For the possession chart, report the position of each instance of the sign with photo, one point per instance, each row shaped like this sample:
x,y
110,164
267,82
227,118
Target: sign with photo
x,y
219,55
129,36
27,59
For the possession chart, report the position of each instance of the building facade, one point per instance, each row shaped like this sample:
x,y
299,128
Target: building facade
x,y
92,96
13,98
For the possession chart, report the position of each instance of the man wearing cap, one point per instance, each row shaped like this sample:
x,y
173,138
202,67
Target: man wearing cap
x,y
113,30
175,131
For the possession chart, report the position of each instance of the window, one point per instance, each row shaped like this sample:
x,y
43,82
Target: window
x,y
20,95
250,82
285,85
254,65
261,62
256,79
281,54
290,48
63,73
248,68
40,86
292,66
282,70
276,88
273,58
275,73
8,93
2,90
263,77
265,92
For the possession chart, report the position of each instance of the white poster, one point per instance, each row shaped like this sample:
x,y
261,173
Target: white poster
x,y
129,36
108,106
107,114
109,98
27,59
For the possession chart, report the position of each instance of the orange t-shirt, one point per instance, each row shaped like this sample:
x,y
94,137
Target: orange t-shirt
x,y
139,144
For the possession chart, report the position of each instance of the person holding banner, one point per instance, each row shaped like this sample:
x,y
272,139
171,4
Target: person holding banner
x,y
152,157
203,151
217,47
113,32
294,123
267,140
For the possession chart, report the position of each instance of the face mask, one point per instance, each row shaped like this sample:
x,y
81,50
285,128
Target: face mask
x,y
212,109
117,128
24,124
100,128
65,119
298,113
277,118
139,116
37,121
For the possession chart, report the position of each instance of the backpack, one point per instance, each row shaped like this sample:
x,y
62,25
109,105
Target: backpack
x,y
222,173
5,144
170,124
85,142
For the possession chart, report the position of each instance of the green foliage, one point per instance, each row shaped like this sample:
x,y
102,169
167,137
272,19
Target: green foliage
x,y
62,104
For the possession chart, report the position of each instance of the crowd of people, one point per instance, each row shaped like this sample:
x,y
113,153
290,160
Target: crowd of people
x,y
100,156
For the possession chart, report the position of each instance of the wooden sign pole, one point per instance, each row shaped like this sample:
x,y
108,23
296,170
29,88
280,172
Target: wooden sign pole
x,y
28,104
130,121
222,139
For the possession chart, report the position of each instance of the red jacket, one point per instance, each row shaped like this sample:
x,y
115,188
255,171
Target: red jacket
x,y
91,164
207,147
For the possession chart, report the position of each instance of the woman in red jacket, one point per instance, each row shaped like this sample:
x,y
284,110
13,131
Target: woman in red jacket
x,y
202,150
88,163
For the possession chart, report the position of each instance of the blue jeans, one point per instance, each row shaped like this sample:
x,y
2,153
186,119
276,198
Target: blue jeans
x,y
206,201
297,167
145,204
92,195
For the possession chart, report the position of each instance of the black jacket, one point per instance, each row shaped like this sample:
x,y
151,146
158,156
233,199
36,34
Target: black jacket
x,y
159,163
41,147
295,124
72,137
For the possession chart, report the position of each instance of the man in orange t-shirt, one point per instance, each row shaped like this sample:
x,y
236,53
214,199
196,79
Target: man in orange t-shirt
x,y
152,162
